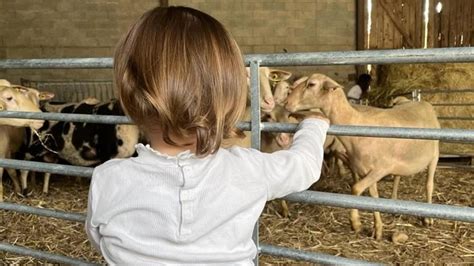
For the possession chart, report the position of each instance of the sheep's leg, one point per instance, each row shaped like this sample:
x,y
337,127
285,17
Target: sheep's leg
x,y
396,182
24,182
355,176
33,180
16,184
429,187
340,167
46,183
357,189
284,209
378,224
1,184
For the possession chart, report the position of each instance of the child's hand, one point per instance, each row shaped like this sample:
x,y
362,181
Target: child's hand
x,y
310,114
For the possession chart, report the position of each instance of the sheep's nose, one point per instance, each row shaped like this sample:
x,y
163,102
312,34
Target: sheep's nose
x,y
290,107
283,140
268,104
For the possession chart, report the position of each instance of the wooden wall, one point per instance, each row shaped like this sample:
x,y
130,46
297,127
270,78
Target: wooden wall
x,y
399,24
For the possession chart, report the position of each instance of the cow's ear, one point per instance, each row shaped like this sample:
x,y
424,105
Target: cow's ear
x,y
46,95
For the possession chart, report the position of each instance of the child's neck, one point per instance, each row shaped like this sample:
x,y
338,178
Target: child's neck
x,y
157,143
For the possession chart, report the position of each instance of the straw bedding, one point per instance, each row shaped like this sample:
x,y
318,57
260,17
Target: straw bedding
x,y
402,78
309,227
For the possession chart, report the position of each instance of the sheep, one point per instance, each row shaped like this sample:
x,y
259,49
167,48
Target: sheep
x,y
373,158
268,77
284,87
16,98
398,101
84,144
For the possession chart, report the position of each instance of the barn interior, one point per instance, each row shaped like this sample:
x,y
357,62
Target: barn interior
x,y
89,29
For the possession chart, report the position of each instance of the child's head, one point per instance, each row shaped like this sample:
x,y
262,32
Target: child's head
x,y
180,72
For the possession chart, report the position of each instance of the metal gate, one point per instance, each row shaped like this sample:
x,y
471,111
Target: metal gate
x,y
440,211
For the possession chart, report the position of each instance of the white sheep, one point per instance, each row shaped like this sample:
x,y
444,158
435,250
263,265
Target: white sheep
x,y
373,158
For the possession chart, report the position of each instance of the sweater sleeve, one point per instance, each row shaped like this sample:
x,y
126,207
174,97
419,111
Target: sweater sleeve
x,y
296,169
91,229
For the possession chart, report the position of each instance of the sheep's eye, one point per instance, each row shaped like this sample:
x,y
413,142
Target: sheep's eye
x,y
311,84
9,98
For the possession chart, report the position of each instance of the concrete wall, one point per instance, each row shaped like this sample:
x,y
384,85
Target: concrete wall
x,y
91,28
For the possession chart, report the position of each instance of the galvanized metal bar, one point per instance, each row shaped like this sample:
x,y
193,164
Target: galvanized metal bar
x,y
84,118
452,104
61,63
323,198
42,255
47,167
361,57
75,217
455,135
455,118
445,90
256,119
440,211
255,126
460,135
310,256
437,90
81,118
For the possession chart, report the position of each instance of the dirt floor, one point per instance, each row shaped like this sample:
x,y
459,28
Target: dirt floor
x,y
309,227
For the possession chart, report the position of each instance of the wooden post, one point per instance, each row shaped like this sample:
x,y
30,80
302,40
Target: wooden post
x,y
361,32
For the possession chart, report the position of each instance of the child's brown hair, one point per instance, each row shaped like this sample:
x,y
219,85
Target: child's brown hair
x,y
179,69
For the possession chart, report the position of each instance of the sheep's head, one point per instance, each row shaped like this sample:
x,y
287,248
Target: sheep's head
x,y
315,92
19,98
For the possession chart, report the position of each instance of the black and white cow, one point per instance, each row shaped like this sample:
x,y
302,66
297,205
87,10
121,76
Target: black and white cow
x,y
77,143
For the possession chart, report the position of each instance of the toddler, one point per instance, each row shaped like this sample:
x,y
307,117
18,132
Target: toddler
x,y
184,200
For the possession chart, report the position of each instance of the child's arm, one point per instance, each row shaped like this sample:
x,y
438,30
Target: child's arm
x,y
91,230
297,168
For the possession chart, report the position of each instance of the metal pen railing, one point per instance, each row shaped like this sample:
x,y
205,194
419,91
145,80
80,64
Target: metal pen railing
x,y
465,54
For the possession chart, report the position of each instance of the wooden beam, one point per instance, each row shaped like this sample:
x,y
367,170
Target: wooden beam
x,y
361,32
397,24
361,25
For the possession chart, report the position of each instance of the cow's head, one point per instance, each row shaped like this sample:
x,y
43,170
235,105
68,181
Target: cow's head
x,y
315,92
22,99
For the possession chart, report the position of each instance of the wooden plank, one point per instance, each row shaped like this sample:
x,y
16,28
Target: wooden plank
x,y
433,25
467,6
410,29
388,31
452,23
471,26
418,24
445,24
361,31
397,37
361,28
380,27
386,7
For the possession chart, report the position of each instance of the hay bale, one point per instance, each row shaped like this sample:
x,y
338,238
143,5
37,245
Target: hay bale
x,y
404,78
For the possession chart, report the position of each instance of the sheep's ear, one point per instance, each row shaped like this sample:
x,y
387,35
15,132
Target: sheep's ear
x,y
278,75
46,95
330,84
